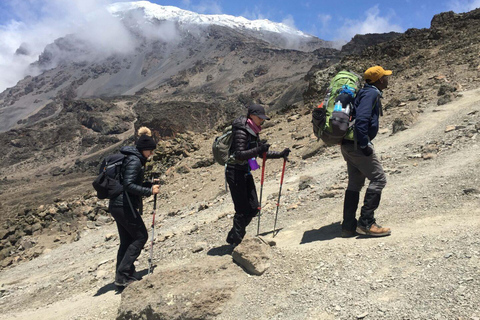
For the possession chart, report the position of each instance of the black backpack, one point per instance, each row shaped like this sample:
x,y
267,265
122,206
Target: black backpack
x,y
107,183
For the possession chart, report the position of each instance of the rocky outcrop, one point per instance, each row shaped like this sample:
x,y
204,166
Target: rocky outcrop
x,y
253,255
197,291
360,41
64,218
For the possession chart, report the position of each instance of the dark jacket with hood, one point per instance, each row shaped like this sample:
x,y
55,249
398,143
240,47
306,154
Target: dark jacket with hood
x,y
246,144
368,108
133,170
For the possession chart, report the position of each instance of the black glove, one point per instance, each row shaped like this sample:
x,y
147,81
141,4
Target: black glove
x,y
263,148
367,150
285,153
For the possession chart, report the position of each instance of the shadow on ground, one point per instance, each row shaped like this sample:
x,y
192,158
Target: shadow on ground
x,y
221,251
329,232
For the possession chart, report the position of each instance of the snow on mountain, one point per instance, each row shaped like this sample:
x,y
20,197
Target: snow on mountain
x,y
153,11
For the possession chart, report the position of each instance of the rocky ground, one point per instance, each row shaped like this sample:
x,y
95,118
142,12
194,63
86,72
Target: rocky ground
x,y
427,269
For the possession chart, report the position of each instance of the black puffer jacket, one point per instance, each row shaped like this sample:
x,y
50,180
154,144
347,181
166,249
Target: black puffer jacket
x,y
133,171
246,143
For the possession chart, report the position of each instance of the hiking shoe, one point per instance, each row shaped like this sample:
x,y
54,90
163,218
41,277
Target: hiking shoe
x,y
375,230
348,234
125,283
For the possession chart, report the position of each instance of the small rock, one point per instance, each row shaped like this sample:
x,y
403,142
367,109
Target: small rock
x,y
305,182
183,169
199,246
110,236
450,128
297,136
253,255
471,191
328,194
202,207
57,239
313,149
363,315
448,255
193,229
444,99
398,125
429,156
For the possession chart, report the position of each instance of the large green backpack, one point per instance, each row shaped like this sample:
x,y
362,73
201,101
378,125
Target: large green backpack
x,y
332,119
221,146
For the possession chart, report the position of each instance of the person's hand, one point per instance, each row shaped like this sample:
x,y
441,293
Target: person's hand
x,y
367,150
263,148
285,153
156,189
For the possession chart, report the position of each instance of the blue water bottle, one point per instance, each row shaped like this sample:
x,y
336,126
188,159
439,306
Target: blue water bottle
x,y
338,106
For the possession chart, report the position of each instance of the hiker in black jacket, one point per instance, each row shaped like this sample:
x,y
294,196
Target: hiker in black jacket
x,y
361,159
246,145
127,208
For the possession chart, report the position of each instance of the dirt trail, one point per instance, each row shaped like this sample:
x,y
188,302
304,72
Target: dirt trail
x,y
428,268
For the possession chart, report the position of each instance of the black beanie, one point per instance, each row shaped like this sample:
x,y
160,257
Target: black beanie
x,y
145,142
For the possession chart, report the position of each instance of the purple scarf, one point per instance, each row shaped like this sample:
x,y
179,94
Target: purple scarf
x,y
253,126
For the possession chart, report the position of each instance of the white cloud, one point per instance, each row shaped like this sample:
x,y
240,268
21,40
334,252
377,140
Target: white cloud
x,y
464,5
373,23
208,7
255,14
289,21
40,22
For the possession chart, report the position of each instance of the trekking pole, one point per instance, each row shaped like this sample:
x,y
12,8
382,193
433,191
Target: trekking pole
x,y
279,195
261,191
153,234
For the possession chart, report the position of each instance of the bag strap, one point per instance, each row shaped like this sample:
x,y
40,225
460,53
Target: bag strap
x,y
130,204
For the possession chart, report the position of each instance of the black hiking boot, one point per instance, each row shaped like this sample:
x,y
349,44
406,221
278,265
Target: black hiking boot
x,y
348,233
125,282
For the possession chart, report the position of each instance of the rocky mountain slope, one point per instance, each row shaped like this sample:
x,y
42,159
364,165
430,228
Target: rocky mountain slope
x,y
428,144
198,57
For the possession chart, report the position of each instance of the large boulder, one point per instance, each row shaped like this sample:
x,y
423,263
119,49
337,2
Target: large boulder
x,y
253,255
197,291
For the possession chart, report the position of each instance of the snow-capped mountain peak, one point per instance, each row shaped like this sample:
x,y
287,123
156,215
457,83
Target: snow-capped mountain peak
x,y
153,11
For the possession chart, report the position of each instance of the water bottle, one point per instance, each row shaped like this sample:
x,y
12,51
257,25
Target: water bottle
x,y
347,109
253,164
338,106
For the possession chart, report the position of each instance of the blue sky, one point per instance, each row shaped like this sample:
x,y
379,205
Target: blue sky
x,y
39,22
330,21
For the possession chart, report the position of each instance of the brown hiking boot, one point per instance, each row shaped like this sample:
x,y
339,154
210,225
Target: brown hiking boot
x,y
375,230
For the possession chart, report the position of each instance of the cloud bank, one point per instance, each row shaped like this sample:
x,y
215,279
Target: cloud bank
x,y
463,5
37,23
372,23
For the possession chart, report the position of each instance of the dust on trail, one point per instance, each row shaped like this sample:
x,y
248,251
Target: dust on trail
x,y
433,228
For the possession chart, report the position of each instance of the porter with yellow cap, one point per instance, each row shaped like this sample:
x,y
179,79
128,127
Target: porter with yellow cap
x,y
361,159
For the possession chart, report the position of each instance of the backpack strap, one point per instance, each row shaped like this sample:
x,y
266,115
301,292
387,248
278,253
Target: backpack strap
x,y
130,204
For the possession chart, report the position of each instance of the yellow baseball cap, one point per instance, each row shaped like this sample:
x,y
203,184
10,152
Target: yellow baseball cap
x,y
374,73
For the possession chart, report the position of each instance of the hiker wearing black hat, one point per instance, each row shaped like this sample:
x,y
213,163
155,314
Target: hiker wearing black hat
x,y
246,146
362,162
127,208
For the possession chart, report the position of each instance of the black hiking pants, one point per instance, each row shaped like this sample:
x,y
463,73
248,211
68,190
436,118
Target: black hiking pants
x,y
133,236
244,196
